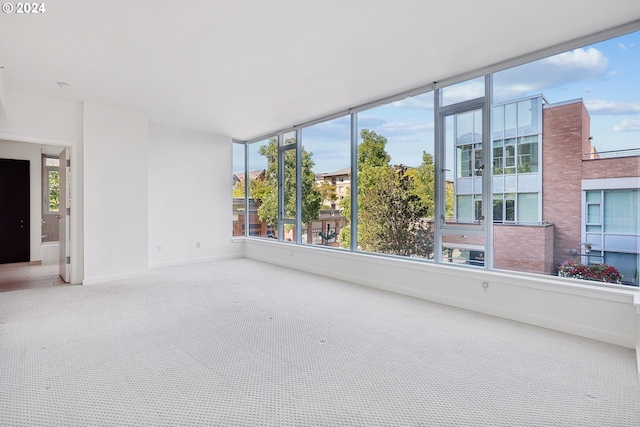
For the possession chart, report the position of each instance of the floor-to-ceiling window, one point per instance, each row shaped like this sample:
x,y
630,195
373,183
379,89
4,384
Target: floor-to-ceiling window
x,y
395,194
499,171
262,177
327,155
461,132
559,124
239,193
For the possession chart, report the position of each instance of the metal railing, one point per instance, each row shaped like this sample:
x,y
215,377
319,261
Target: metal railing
x,y
612,154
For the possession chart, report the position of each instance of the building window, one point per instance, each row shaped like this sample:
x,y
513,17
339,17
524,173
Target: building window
x,y
498,157
464,161
477,207
621,211
626,263
504,208
470,160
498,207
52,184
612,230
594,211
468,165
527,154
510,156
527,208
464,208
516,152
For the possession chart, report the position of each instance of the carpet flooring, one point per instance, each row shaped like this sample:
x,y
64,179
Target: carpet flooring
x,y
244,343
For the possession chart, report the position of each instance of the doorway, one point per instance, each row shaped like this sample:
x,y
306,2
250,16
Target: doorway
x,y
41,250
14,211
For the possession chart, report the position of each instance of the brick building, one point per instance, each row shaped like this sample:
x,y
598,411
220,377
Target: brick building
x,y
589,201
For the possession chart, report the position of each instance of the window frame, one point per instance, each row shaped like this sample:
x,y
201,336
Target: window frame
x,y
487,119
46,189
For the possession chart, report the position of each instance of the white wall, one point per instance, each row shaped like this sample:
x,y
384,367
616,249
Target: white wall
x,y
50,121
34,118
604,314
115,158
120,172
190,198
32,153
3,96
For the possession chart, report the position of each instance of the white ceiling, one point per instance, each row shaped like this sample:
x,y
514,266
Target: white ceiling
x,y
243,68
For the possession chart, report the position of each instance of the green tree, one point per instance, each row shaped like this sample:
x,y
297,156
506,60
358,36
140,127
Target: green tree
x,y
238,189
449,202
393,202
373,164
327,193
425,183
266,191
54,191
399,216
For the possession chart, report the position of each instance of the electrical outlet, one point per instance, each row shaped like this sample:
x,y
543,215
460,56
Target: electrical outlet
x,y
197,244
159,248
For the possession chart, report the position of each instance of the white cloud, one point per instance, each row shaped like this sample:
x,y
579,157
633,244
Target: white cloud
x,y
423,102
586,59
463,91
627,125
579,65
625,47
588,90
336,129
369,122
392,129
614,108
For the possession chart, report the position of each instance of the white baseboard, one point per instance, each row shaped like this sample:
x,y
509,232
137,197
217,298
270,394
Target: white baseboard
x,y
113,277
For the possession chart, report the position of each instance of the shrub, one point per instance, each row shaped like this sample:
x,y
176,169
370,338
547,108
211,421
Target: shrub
x,y
596,272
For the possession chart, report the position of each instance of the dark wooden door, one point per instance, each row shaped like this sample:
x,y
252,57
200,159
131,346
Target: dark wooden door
x,y
14,211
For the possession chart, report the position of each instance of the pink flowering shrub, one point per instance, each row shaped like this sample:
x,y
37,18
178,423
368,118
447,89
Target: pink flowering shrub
x,y
595,272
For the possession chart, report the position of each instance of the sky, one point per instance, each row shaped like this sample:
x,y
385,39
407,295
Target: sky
x,y
605,75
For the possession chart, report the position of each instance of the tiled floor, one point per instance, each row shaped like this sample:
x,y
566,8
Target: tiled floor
x,y
21,275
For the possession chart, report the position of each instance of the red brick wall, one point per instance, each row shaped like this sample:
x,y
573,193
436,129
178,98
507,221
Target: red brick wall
x,y
238,225
523,248
611,168
586,132
463,240
564,136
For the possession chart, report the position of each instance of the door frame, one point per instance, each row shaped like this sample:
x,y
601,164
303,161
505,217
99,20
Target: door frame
x,y
74,153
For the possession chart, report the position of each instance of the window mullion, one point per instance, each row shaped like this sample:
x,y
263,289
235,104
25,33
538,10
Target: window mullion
x,y
298,232
354,182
